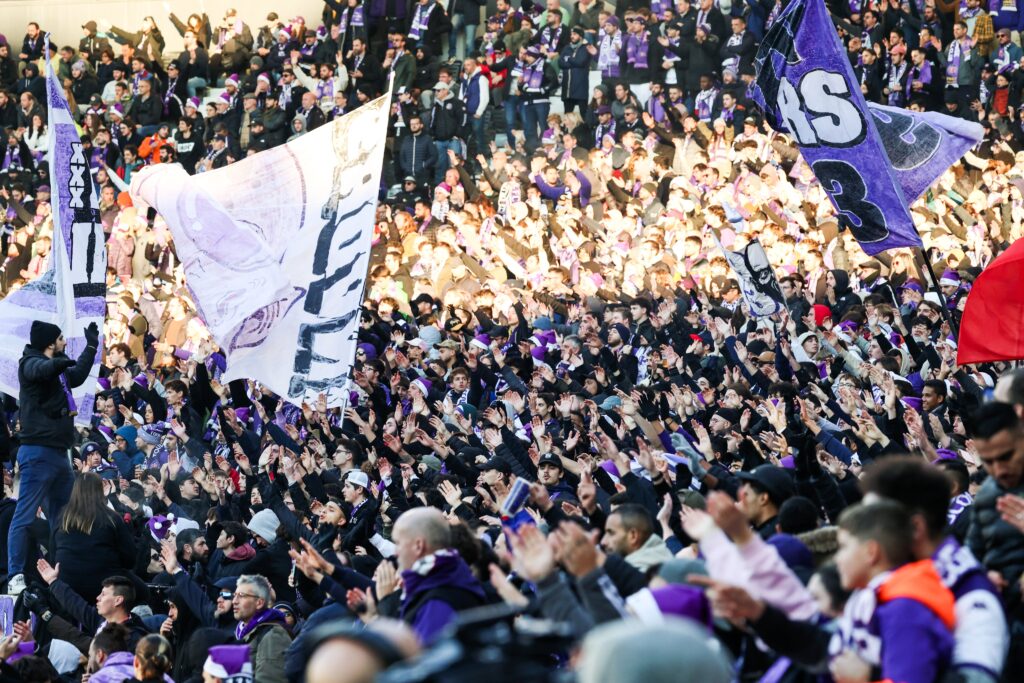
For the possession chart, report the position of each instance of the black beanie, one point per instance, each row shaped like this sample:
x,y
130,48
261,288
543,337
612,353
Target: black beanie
x,y
42,335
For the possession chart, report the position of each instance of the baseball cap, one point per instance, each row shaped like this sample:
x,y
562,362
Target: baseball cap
x,y
772,480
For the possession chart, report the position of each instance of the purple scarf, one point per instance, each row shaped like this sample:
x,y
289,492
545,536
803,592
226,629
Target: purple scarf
x,y
702,105
169,95
266,616
656,109
325,89
636,50
355,18
421,20
957,506
550,37
922,74
608,57
895,91
533,74
12,157
956,52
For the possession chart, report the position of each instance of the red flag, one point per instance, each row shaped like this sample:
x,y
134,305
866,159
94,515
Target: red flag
x,y
992,327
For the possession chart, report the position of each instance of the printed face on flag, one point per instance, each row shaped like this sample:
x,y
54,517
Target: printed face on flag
x,y
757,280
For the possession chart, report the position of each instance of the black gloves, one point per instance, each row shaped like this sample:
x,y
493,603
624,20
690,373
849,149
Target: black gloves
x,y
37,602
66,363
92,335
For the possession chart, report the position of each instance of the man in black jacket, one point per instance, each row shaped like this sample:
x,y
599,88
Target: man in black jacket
x,y
113,605
46,412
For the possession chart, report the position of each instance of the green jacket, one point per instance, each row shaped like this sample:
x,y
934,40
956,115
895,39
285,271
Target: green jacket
x,y
267,644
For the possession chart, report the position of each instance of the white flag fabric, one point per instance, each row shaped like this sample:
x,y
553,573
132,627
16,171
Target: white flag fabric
x,y
71,293
276,248
757,281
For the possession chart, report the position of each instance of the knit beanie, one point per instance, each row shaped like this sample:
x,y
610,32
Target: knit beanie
x,y
42,335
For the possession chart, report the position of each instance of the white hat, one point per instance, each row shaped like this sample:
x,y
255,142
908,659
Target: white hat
x,y
358,478
264,524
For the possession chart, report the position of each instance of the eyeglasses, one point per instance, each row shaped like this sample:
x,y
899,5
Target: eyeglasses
x,y
246,595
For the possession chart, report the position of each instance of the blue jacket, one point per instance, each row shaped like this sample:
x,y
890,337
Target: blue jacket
x,y
471,89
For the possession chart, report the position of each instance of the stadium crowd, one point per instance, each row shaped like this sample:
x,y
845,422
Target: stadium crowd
x,y
568,446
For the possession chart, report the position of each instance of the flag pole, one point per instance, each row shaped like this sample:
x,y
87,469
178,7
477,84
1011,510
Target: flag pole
x,y
934,286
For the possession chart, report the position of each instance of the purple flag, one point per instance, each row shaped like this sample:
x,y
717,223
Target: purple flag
x,y
922,145
71,293
808,89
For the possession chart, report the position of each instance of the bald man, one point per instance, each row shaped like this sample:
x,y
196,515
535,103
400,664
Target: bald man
x,y
437,581
352,655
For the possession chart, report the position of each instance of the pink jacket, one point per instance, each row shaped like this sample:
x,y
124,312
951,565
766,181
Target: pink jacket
x,y
119,255
757,567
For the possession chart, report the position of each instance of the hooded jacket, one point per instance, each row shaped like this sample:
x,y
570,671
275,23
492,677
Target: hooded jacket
x,y
845,298
652,552
436,588
46,418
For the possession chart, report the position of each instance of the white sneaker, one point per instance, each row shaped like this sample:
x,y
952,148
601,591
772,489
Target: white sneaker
x,y
16,584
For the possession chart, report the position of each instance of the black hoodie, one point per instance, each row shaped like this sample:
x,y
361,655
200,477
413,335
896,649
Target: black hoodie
x,y
845,298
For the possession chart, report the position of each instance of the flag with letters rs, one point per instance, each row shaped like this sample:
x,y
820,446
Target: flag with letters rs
x,y
871,160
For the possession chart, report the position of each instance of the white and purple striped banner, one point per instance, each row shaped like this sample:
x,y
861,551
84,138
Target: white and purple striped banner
x,y
71,293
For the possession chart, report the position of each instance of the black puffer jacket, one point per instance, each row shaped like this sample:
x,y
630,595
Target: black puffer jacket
x,y
45,415
995,543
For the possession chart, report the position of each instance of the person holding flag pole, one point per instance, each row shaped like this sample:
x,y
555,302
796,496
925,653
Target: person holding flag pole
x,y
54,372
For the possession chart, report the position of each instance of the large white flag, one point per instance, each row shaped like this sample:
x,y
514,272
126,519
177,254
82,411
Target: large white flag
x,y
71,293
276,248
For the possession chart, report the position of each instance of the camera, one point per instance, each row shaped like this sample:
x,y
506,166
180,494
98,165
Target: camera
x,y
495,644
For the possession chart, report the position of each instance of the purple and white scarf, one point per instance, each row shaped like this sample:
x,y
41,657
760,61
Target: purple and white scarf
x,y
421,20
637,47
355,18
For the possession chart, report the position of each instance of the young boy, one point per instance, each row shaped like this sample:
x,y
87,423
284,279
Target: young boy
x,y
899,622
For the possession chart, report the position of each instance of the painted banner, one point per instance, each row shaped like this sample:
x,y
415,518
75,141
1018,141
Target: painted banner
x,y
276,249
71,293
757,280
807,88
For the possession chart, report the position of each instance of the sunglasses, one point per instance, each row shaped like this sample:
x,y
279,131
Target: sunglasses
x,y
225,595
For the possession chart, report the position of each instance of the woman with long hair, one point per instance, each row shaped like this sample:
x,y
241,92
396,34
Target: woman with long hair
x,y
36,136
91,541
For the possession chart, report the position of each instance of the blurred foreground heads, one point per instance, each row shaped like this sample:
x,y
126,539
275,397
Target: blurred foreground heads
x,y
674,652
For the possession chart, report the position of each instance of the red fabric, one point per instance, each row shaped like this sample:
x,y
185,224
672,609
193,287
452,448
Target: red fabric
x,y
992,327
